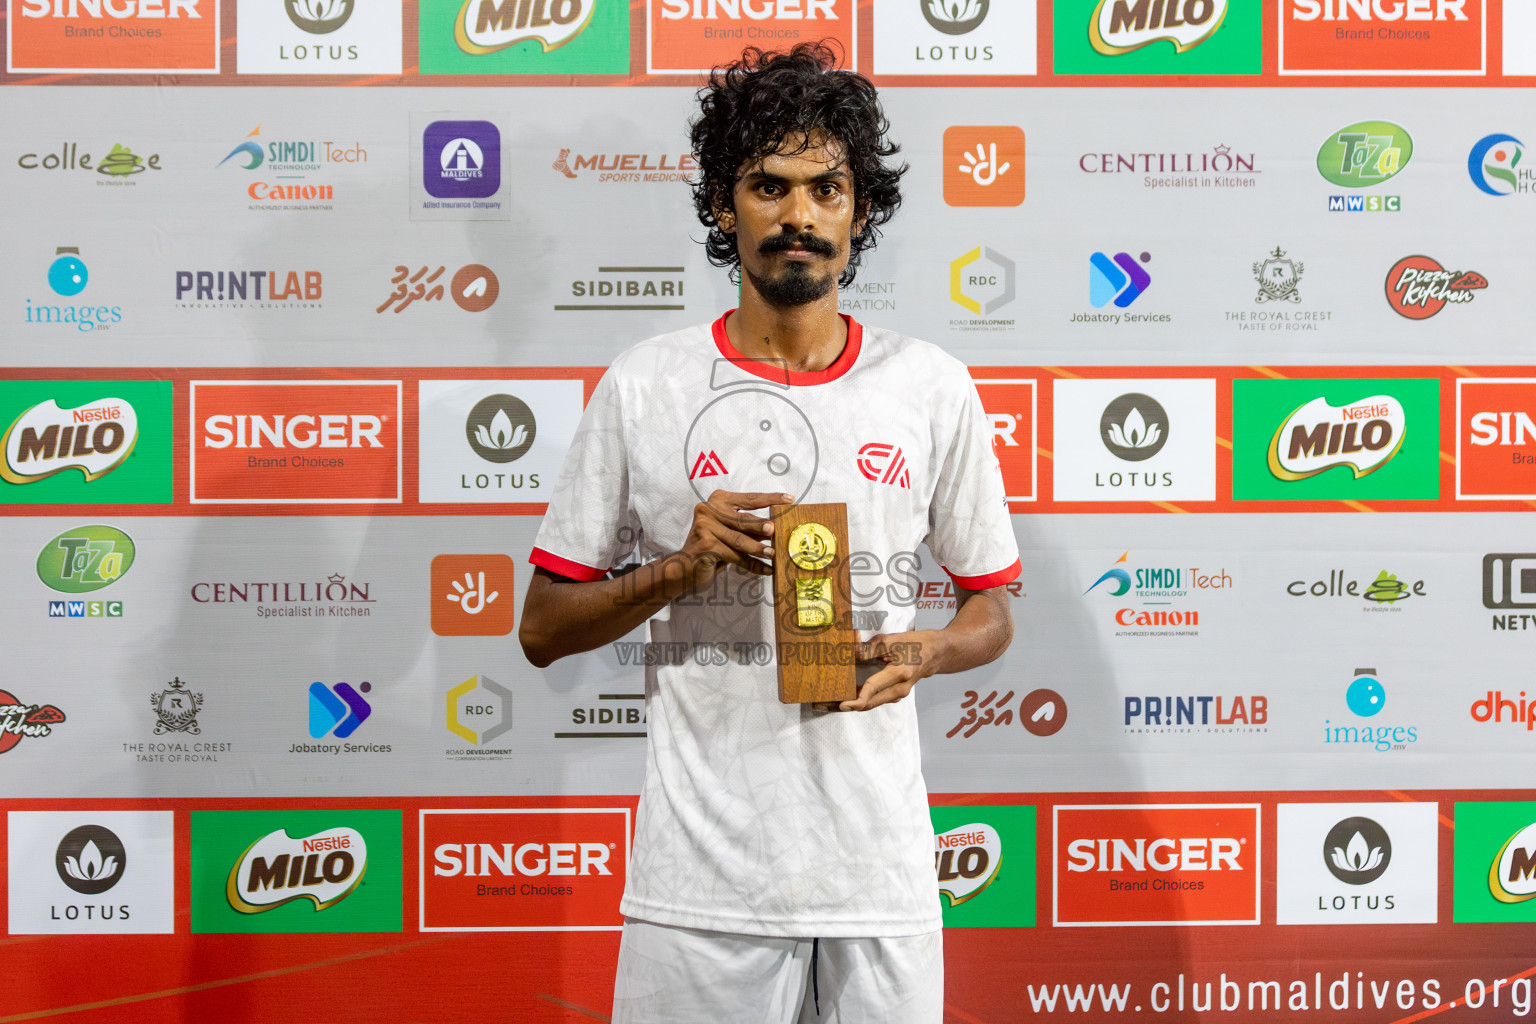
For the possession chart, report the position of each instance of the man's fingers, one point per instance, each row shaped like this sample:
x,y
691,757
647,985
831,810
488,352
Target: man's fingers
x,y
886,686
736,548
733,500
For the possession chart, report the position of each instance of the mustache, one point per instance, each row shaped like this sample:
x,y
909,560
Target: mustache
x,y
804,240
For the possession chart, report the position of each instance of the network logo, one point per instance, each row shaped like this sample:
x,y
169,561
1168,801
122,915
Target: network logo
x,y
1120,578
337,710
1120,280
1492,164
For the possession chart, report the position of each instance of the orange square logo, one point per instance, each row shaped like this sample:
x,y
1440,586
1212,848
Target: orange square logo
x,y
1383,37
113,36
259,442
1496,438
1010,410
523,869
1165,864
472,595
690,37
984,166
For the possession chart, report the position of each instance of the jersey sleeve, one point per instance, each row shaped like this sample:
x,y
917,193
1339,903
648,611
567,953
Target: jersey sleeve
x,y
969,529
584,531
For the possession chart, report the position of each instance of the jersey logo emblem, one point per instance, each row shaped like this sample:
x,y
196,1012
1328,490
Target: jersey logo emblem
x,y
884,464
707,464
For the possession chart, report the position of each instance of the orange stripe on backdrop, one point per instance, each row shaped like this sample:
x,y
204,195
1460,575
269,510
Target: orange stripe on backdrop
x,y
1396,794
1454,1003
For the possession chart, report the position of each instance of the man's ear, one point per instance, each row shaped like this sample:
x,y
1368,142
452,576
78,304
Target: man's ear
x,y
725,219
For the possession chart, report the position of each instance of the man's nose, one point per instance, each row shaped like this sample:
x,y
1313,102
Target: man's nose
x,y
797,212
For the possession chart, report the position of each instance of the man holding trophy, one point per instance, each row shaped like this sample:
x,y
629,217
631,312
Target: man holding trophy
x,y
775,473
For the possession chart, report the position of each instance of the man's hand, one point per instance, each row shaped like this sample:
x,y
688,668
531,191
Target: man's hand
x,y
907,657
725,532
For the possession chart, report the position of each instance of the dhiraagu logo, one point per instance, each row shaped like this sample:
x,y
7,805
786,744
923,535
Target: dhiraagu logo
x,y
1346,439
984,857
1156,37
1364,154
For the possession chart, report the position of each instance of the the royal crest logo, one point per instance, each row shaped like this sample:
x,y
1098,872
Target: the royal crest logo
x,y
1418,287
1278,277
94,438
1362,436
324,868
19,721
1120,26
176,708
967,860
485,26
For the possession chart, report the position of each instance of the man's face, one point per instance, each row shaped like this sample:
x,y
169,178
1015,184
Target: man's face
x,y
793,217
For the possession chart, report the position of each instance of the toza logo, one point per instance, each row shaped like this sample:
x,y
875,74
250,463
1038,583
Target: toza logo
x,y
86,558
94,438
485,26
323,868
1362,435
90,859
1364,154
1120,26
1357,851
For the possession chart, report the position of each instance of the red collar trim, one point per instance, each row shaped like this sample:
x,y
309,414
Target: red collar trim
x,y
767,371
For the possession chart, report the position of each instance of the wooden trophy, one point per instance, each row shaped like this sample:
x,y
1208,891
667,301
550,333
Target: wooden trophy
x,y
816,642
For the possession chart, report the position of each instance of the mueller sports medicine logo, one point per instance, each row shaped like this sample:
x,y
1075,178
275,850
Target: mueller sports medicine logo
x,y
1418,287
627,167
485,26
114,37
323,868
1382,37
1496,438
523,869
1166,864
692,36
1362,436
1120,26
276,442
94,438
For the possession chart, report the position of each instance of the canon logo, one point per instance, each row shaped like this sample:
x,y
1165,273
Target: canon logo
x,y
757,10
528,859
301,431
1155,855
1379,10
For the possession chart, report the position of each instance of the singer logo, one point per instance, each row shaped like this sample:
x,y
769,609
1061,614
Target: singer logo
x,y
1010,413
1496,438
1382,37
1164,864
692,36
115,36
299,442
472,595
523,869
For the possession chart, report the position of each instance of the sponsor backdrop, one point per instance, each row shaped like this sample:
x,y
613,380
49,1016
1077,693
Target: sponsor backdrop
x,y
289,372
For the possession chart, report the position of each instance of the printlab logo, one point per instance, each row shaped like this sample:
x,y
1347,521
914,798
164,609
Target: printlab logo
x,y
249,289
338,710
1496,438
982,281
472,595
500,428
474,287
1120,280
1278,277
1134,427
20,721
984,166
1357,851
1187,713
462,159
90,859
1418,287
67,276
1494,165
1366,698
479,710
176,708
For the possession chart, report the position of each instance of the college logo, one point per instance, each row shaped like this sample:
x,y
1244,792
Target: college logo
x,y
1357,863
1120,280
1418,287
119,165
176,708
692,36
85,558
461,159
472,595
983,281
156,36
1496,438
984,166
1156,864
19,721
1278,277
46,439
1116,440
1342,438
524,37
1009,406
955,37
479,710
1384,37
1364,154
1120,26
1381,594
523,869
1118,37
302,442
615,168
494,440
59,861
1494,165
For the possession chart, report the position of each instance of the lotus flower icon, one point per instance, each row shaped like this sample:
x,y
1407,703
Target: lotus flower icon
x,y
90,859
1135,432
501,428
319,17
1356,856
1134,427
955,17
91,866
501,436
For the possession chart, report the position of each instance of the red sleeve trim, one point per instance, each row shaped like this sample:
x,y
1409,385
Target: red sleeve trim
x,y
778,374
991,579
565,567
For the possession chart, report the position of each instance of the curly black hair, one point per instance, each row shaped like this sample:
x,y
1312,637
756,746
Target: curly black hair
x,y
751,106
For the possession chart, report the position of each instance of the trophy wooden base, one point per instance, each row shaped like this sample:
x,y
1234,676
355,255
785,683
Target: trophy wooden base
x,y
813,627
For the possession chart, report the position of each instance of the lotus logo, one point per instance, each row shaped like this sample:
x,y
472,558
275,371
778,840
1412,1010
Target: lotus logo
x,y
1361,435
323,868
1512,876
501,428
955,17
485,26
1364,154
90,859
94,438
1120,26
1357,851
1134,427
319,17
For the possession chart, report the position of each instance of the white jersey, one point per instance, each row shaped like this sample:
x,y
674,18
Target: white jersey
x,y
758,817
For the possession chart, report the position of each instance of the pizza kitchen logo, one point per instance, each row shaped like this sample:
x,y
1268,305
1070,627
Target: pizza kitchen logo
x,y
20,721
1418,287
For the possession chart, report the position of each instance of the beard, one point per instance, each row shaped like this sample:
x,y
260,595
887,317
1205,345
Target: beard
x,y
796,285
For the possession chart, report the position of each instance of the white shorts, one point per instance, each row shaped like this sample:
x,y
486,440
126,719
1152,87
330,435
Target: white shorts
x,y
672,975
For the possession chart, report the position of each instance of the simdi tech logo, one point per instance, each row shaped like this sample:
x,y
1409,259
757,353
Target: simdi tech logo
x,y
1344,438
955,37
318,37
688,37
301,442
1156,864
296,871
984,166
113,36
524,37
1383,37
283,169
78,442
984,857
1154,37
91,872
523,869
1496,438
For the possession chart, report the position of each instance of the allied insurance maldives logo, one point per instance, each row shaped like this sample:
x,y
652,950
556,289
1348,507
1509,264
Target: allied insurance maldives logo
x,y
113,36
1382,37
301,442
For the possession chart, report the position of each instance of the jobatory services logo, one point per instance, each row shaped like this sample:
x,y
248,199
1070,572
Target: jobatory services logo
x,y
83,560
1145,439
971,847
474,287
494,440
283,172
67,277
479,711
296,871
132,37
982,282
1220,168
1418,287
1382,37
1119,281
618,289
523,869
300,442
1145,37
1494,877
1364,155
91,872
460,169
1357,863
1494,166
1153,601
318,37
955,37
1383,592
1156,864
984,166
1009,406
337,711
20,721
524,37
688,37
1341,438
79,442
1365,698
1496,438
472,595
